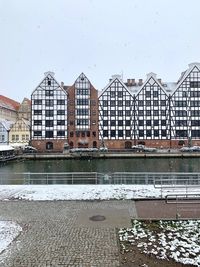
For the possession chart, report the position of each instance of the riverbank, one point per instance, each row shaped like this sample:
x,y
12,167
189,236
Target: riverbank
x,y
110,155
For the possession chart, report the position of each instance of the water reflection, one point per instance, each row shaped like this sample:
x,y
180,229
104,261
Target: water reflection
x,y
105,165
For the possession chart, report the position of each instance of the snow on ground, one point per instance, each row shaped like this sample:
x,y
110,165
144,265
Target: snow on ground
x,y
179,240
8,232
78,192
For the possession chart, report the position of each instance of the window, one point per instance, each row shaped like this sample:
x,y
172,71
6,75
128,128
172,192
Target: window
x,y
37,133
148,93
105,133
156,133
120,133
156,123
112,113
163,103
155,93
155,103
49,113
105,123
83,102
148,103
49,134
194,103
128,133
49,92
155,113
181,123
163,133
112,103
140,112
49,102
82,91
195,84
37,102
105,113
120,103
60,102
128,123
180,103
37,112
60,112
141,133
82,112
94,134
120,123
195,123
195,133
148,123
141,123
141,103
148,112
120,113
71,134
163,122
112,133
112,123
148,133
181,133
49,123
127,102
120,94
60,133
127,113
82,122
112,94
163,112
60,122
37,122
105,103
49,82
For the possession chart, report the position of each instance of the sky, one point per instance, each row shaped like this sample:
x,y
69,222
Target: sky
x,y
99,38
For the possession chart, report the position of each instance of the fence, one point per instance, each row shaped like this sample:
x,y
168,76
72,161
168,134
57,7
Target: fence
x,y
162,181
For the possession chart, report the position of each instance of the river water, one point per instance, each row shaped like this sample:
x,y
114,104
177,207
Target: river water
x,y
104,165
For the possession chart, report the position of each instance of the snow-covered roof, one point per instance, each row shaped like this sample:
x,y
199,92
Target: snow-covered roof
x,y
7,124
6,148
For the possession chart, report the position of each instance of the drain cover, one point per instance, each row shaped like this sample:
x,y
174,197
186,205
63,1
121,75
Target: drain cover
x,y
98,218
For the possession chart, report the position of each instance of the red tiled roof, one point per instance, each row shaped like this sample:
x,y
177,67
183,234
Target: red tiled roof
x,y
10,103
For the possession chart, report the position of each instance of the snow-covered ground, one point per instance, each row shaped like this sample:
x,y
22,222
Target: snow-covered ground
x,y
178,240
79,192
8,232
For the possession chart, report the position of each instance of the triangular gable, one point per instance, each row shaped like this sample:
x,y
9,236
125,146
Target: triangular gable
x,y
192,67
44,83
152,80
110,84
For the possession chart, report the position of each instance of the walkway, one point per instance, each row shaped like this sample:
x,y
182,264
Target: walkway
x,y
61,233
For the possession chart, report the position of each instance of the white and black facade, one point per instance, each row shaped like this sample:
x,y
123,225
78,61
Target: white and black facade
x,y
49,115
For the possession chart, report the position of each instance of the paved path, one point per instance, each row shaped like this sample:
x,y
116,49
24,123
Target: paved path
x,y
60,233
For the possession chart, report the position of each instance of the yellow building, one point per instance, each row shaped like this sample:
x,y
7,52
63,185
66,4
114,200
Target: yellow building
x,y
19,135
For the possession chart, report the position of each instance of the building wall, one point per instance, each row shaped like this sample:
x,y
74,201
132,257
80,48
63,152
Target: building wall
x,y
19,134
49,114
82,114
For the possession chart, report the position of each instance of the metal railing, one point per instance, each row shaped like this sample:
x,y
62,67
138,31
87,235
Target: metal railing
x,y
162,181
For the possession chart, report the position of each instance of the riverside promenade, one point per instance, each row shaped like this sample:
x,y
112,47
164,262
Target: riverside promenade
x,y
66,233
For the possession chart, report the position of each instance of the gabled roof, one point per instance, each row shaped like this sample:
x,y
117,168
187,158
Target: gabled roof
x,y
7,124
114,79
185,74
151,78
9,103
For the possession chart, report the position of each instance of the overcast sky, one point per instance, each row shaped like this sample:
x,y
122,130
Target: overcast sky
x,y
97,37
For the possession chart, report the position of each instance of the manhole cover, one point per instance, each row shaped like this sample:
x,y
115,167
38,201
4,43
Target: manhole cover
x,y
97,218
